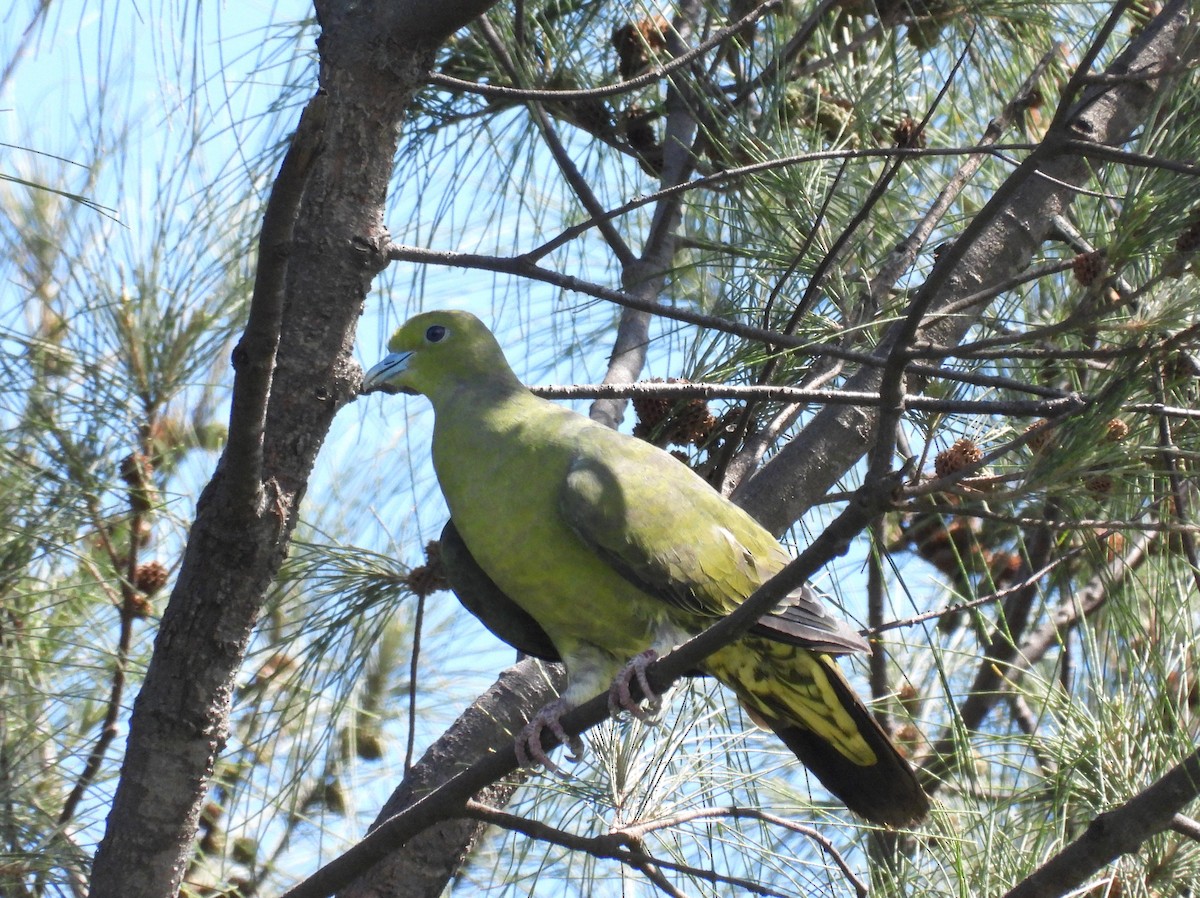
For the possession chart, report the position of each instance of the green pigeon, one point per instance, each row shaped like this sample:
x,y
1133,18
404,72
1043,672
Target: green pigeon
x,y
604,551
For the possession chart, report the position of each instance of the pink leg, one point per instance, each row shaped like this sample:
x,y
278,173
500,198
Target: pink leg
x,y
528,745
619,698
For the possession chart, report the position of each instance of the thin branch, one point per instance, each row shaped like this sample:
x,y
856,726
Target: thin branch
x,y
627,843
520,266
1028,581
654,75
727,175
1125,157
108,726
620,845
418,626
1186,826
736,812
652,873
876,662
1074,525
1031,408
574,178
116,690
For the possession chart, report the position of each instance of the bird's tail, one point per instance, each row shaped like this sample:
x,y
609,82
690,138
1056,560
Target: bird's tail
x,y
803,697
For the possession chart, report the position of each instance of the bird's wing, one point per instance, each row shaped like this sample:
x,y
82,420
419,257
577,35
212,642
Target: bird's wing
x,y
669,533
802,619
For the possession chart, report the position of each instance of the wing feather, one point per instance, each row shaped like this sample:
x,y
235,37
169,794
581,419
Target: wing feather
x,y
670,534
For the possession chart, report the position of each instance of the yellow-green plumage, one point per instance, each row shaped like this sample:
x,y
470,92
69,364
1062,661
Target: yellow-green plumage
x,y
613,547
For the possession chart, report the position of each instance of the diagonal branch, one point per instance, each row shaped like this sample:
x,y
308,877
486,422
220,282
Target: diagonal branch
x,y
449,799
1114,833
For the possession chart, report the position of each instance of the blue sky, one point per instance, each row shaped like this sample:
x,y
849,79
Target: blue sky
x,y
202,73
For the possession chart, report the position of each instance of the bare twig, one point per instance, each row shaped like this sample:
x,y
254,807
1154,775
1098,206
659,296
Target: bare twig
x,y
654,75
413,679
741,813
116,690
623,846
729,175
1030,408
627,844
876,662
1026,582
570,172
1186,826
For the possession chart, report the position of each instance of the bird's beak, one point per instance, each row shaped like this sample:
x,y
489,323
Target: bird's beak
x,y
378,379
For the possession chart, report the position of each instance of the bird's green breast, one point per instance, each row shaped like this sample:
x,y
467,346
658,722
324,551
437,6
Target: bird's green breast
x,y
501,467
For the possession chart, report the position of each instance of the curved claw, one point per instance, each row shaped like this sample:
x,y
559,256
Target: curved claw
x,y
619,697
528,746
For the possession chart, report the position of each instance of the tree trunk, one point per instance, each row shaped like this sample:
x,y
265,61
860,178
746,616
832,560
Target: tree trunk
x,y
373,58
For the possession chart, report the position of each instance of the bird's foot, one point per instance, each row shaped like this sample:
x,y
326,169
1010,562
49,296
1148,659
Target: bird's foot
x,y
528,745
619,698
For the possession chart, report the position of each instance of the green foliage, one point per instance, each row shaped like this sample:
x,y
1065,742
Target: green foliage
x,y
117,317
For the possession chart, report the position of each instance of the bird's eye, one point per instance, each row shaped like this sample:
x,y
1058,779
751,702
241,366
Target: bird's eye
x,y
435,333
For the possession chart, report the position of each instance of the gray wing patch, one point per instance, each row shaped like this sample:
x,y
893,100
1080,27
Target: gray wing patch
x,y
803,620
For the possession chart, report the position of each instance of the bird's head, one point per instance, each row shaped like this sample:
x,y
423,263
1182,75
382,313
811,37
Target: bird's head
x,y
437,351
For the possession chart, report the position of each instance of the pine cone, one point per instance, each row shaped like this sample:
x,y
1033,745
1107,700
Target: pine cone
x,y
651,411
139,607
1188,240
137,470
910,698
962,454
431,576
636,42
1041,439
368,743
1087,267
423,580
1115,430
908,134
1004,567
693,424
151,577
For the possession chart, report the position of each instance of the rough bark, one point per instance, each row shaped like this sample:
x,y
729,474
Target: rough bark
x,y
433,857
294,370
